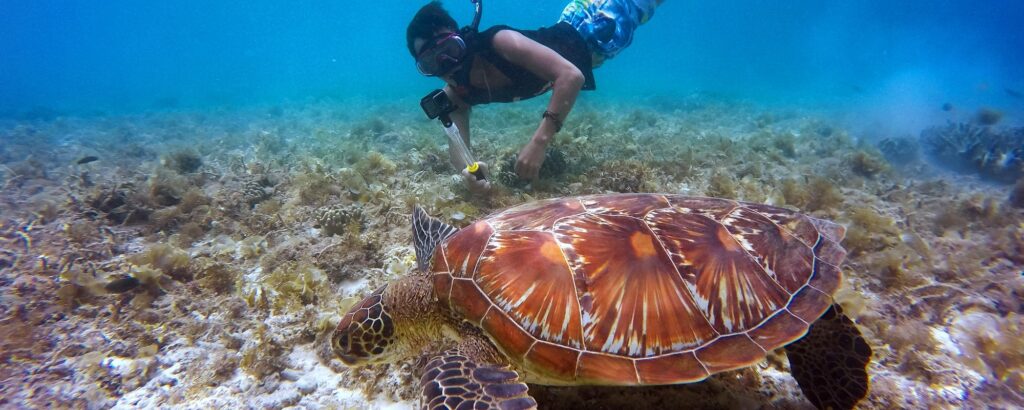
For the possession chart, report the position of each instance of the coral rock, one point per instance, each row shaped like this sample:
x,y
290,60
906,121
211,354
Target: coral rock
x,y
254,192
997,155
336,220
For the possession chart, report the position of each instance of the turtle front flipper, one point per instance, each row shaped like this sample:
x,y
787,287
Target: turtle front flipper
x,y
427,233
454,381
830,362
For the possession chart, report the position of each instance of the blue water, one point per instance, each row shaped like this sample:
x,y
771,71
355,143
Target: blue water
x,y
872,57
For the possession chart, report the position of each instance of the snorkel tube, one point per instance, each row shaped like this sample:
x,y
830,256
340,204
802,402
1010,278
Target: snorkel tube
x,y
437,105
476,17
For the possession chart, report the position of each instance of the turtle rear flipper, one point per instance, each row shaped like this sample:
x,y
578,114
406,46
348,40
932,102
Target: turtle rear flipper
x,y
830,362
456,381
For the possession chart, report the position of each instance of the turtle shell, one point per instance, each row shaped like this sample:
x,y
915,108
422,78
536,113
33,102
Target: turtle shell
x,y
632,289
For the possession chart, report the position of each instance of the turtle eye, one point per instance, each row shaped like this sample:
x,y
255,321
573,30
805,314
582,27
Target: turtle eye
x,y
341,342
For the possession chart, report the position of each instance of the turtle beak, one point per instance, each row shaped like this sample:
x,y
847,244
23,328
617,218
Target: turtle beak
x,y
347,359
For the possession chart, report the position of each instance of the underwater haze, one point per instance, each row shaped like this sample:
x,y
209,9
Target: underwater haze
x,y
195,195
874,56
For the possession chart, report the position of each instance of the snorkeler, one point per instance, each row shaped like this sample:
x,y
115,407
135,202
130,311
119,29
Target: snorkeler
x,y
504,64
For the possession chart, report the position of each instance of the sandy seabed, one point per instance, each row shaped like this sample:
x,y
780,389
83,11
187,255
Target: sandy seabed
x,y
201,259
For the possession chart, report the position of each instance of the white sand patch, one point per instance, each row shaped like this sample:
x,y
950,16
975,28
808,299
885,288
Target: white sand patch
x,y
314,385
945,342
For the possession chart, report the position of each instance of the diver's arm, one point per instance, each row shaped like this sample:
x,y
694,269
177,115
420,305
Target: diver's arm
x,y
566,78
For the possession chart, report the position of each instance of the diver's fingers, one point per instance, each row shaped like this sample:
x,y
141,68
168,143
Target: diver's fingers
x,y
482,169
525,170
477,186
532,172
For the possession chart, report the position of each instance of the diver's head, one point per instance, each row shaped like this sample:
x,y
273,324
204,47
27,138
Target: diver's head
x,y
434,41
366,334
431,20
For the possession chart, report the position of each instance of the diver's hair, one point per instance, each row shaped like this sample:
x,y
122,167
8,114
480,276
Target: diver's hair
x,y
428,20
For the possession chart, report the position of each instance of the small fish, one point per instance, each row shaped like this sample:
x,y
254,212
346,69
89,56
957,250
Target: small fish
x,y
947,107
122,284
88,159
1014,93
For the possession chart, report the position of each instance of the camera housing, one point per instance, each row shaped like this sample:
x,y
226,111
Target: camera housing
x,y
436,104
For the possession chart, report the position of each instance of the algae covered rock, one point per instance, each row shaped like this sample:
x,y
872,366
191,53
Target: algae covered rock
x,y
813,194
287,288
166,259
867,163
121,204
219,278
555,165
627,176
263,354
184,161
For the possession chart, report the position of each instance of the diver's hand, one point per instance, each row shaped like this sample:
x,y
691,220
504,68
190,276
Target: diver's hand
x,y
477,186
530,158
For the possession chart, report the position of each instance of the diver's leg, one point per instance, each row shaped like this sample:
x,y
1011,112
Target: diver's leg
x,y
608,25
646,8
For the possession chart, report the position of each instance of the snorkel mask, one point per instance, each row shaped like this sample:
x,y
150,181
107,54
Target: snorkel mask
x,y
442,55
446,52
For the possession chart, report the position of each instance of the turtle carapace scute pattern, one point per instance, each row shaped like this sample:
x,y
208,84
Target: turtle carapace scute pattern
x,y
639,289
631,289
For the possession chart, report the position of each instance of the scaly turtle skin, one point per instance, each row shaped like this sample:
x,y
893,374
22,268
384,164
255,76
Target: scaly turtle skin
x,y
638,289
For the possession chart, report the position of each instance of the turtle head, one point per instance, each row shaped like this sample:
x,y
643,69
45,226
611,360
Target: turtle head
x,y
366,334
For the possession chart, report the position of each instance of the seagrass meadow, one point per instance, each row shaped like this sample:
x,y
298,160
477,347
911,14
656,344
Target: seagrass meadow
x,y
201,259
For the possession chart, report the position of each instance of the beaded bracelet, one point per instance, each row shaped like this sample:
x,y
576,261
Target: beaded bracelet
x,y
553,116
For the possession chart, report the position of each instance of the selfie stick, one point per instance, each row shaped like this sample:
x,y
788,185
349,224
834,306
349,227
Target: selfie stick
x,y
438,105
462,151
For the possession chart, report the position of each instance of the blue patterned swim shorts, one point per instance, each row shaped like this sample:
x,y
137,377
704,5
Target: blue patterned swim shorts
x,y
607,25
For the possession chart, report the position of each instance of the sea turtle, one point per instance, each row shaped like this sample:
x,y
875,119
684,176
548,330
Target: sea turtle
x,y
621,289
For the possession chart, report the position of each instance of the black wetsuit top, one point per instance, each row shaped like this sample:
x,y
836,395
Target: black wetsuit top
x,y
562,38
